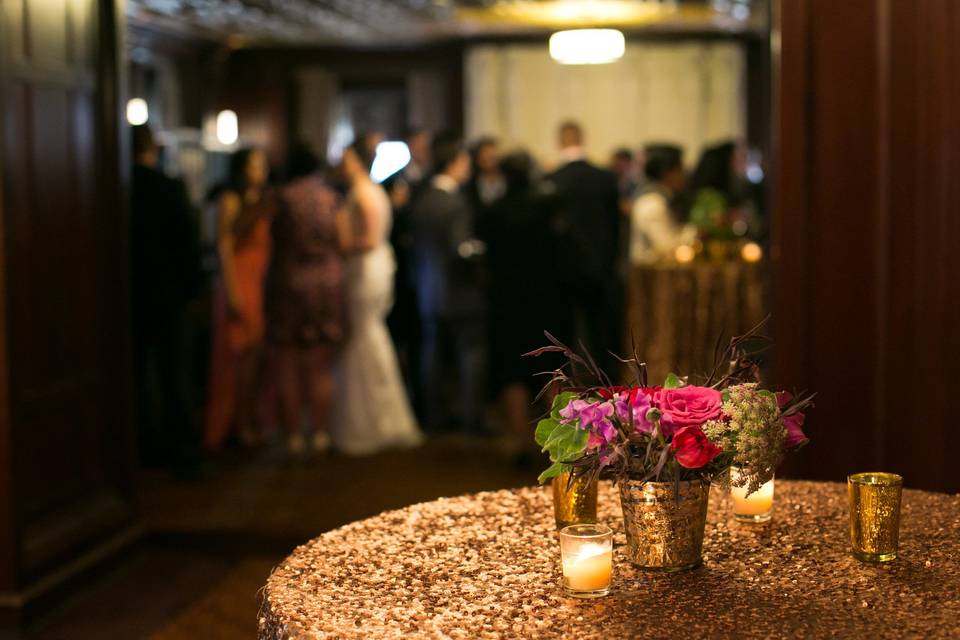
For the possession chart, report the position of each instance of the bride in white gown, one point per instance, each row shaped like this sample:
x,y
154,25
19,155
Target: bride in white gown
x,y
372,411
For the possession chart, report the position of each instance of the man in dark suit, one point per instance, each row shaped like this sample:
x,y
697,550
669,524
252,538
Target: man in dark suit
x,y
166,278
404,320
448,293
584,224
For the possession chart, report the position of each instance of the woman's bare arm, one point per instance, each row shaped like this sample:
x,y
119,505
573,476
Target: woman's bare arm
x,y
362,236
228,210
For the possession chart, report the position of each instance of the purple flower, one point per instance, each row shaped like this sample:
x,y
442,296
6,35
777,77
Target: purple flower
x,y
637,401
595,412
572,411
595,417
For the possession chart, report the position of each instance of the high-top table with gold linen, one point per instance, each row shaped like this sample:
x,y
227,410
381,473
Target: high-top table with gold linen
x,y
488,566
675,311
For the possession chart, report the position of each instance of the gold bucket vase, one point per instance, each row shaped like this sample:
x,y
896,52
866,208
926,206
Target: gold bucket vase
x,y
664,529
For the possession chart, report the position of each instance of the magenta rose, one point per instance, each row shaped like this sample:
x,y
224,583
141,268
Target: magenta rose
x,y
793,423
692,448
687,406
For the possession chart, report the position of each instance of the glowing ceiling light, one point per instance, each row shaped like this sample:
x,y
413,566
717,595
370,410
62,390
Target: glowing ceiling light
x,y
587,46
228,130
391,156
137,112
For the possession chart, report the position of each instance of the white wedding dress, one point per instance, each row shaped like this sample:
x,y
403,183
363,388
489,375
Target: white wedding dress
x,y
372,412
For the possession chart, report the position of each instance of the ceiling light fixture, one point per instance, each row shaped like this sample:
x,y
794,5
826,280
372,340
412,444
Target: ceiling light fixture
x,y
137,111
587,46
228,130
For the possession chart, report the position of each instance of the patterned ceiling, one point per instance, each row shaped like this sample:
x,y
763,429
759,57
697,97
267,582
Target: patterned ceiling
x,y
244,22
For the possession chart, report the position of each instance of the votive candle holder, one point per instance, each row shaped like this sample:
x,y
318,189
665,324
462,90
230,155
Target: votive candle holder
x,y
755,507
875,515
574,500
586,554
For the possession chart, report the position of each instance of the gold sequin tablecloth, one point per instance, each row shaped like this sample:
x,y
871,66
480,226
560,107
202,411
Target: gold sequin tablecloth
x,y
488,566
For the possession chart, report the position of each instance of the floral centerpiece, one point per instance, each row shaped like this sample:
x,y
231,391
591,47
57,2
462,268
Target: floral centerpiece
x,y
668,442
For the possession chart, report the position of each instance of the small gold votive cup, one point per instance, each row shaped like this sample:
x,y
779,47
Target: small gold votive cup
x,y
574,501
875,515
756,507
586,555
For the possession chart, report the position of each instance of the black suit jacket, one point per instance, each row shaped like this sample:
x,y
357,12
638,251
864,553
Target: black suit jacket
x,y
446,282
585,224
165,248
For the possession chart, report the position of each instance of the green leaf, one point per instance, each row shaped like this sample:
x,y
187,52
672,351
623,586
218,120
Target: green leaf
x,y
576,445
559,402
566,442
672,381
544,428
552,472
766,393
560,434
725,395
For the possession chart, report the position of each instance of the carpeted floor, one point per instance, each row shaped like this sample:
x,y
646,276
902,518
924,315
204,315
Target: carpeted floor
x,y
211,544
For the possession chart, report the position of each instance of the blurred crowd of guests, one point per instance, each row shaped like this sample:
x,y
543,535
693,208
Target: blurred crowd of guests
x,y
467,255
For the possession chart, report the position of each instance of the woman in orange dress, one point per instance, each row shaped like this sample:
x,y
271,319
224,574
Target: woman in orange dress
x,y
245,211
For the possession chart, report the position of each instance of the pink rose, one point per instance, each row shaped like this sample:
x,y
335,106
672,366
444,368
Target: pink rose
x,y
793,423
687,406
692,448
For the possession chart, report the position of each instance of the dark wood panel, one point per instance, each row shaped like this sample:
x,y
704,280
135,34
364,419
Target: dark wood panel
x,y
9,114
923,296
65,318
866,282
11,12
46,31
258,83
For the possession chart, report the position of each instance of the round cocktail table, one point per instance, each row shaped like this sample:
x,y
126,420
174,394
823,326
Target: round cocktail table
x,y
488,566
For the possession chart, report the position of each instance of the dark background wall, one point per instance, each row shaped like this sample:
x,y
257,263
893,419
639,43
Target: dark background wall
x,y
866,266
262,87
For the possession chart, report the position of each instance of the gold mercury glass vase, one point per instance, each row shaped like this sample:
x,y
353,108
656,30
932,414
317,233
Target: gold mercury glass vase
x,y
875,515
574,502
664,528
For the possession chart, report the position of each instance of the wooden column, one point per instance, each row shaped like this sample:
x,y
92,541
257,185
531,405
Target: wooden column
x,y
66,435
866,271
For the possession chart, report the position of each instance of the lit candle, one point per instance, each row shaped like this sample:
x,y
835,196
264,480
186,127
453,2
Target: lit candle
x,y
684,254
755,507
751,252
587,558
590,569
